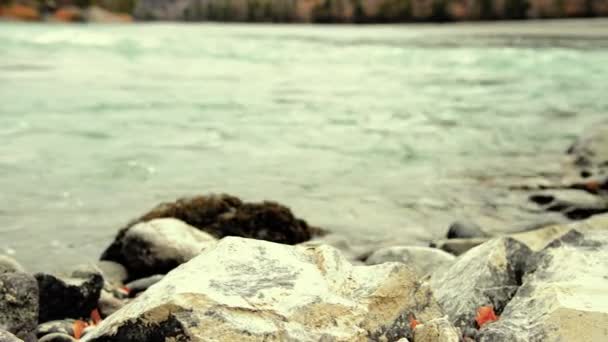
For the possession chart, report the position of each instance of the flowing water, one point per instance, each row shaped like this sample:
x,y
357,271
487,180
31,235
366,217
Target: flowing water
x,y
378,133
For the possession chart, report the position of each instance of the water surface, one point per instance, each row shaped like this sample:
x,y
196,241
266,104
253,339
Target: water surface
x,y
379,133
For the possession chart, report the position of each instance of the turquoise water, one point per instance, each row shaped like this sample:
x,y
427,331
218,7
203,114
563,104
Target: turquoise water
x,y
380,133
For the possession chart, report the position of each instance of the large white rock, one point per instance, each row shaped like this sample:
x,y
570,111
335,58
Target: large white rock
x,y
564,296
251,290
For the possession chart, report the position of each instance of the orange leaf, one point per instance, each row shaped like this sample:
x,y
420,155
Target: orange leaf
x,y
485,314
413,322
78,328
95,316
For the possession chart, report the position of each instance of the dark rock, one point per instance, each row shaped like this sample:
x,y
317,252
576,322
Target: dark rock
x,y
159,245
563,296
19,305
68,297
64,326
457,246
57,337
423,259
574,204
220,216
8,264
465,230
6,336
249,290
141,285
488,274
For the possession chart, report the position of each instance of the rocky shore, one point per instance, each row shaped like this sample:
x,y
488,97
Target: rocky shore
x,y
216,268
306,11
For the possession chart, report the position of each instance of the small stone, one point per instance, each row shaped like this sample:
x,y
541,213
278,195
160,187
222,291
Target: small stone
x,y
8,264
423,259
64,297
19,305
108,304
465,230
6,336
143,284
64,326
57,337
458,246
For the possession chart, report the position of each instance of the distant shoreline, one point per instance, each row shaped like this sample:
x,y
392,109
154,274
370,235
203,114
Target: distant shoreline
x,y
299,11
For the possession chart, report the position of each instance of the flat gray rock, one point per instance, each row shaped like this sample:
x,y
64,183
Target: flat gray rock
x,y
248,290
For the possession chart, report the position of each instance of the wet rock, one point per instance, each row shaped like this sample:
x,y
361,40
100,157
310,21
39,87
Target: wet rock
x,y
437,330
9,265
465,230
245,290
6,336
218,215
574,204
19,305
457,246
64,326
65,297
563,296
158,246
57,337
423,259
141,285
488,274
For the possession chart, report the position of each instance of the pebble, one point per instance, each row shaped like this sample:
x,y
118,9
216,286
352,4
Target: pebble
x,y
465,229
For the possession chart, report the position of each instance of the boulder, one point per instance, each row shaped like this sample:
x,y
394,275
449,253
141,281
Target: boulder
x,y
465,230
6,336
563,296
67,297
9,265
19,305
218,215
574,204
488,274
437,330
157,246
248,290
423,259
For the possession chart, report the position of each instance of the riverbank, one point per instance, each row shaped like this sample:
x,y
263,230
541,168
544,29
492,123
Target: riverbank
x,y
298,11
215,267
